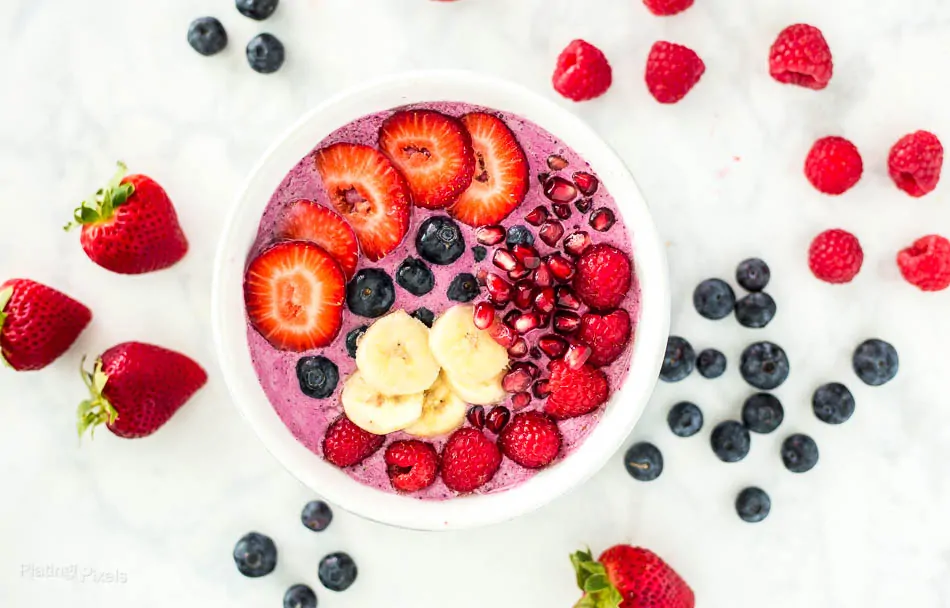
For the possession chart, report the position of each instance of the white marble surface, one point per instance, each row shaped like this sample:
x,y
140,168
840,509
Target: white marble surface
x,y
85,83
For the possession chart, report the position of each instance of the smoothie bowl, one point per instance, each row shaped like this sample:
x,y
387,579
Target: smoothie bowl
x,y
441,301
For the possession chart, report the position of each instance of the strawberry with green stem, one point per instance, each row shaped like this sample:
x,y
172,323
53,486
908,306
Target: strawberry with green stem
x,y
629,577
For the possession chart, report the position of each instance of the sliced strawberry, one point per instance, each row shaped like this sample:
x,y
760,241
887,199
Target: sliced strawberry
x,y
309,221
433,151
368,191
501,173
293,294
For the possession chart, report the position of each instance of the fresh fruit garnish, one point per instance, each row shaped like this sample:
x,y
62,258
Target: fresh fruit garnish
x,y
479,253
374,412
308,221
832,403
629,577
561,267
753,505
484,315
678,361
480,392
586,182
337,571
130,226
365,188
490,235
544,300
352,339
926,263
526,322
497,418
711,363
672,70
434,153
265,53
426,316
685,419
556,162
582,72
346,444
316,515
442,411
575,392
502,334
393,357
531,439
415,277
755,310
517,380
583,204
714,299
207,36
602,219
559,190
370,293
300,596
551,232
875,362
799,453
764,365
603,277
501,173
607,335
519,349
259,10
835,256
463,288
466,353
730,441
577,355
643,461
135,389
411,465
915,161
665,8
37,324
576,243
293,294
762,413
255,555
504,259
499,290
566,322
439,240
833,165
565,298
476,416
753,274
469,460
552,346
519,235
317,376
541,389
537,216
800,56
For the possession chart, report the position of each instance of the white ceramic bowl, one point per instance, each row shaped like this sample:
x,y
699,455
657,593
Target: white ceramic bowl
x,y
228,317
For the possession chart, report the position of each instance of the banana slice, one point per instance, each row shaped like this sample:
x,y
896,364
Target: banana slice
x,y
467,353
486,392
375,412
442,411
394,357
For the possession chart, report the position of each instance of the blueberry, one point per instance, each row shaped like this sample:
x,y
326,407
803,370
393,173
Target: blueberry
x,y
714,299
255,555
316,515
753,274
764,365
425,315
318,376
265,54
415,277
799,453
370,293
337,571
678,361
685,419
479,252
207,36
730,441
711,363
833,403
440,241
353,338
256,9
753,505
762,413
756,310
300,596
643,461
875,362
463,288
519,235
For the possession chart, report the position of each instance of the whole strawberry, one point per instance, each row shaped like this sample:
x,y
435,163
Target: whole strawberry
x,y
629,577
37,324
130,226
135,388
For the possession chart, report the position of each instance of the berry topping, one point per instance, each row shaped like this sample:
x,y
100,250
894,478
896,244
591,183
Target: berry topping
x,y
577,355
915,161
730,441
561,267
753,274
258,10
479,253
833,165
582,72
583,204
519,401
265,53
562,210
551,232
603,277
665,8
484,315
586,183
469,460
308,221
476,416
537,216
643,461
576,243
352,339
714,299
672,70
502,334
415,277
565,298
524,294
556,162
799,453
346,444
606,335
755,310
833,403
526,322
371,293
425,315
764,365
801,56
566,322
926,263
411,465
875,362
542,276
559,190
207,36
318,376
602,219
300,596
439,240
527,255
517,380
490,235
531,439
685,419
552,346
711,363
504,259
762,413
678,361
337,571
463,288
541,389
575,392
255,555
753,505
497,418
316,515
544,300
519,235
835,256
519,349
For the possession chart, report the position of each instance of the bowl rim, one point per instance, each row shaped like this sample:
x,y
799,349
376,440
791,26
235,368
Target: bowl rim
x,y
229,325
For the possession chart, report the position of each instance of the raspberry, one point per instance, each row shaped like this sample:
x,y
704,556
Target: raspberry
x,y
606,335
346,444
915,162
602,277
411,465
835,256
582,72
469,460
575,392
926,263
531,439
672,70
833,165
800,55
665,8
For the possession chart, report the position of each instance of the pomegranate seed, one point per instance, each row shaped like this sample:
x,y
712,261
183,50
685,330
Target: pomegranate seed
x,y
543,177
556,162
566,322
519,401
519,349
490,235
559,190
544,300
497,418
499,290
577,355
551,232
516,381
501,333
484,315
576,243
531,368
561,267
535,352
526,322
524,294
545,319
518,272
552,346
538,216
583,204
511,317
562,210
565,298
542,276
481,275
504,259
586,183
476,416
602,219
527,255
541,389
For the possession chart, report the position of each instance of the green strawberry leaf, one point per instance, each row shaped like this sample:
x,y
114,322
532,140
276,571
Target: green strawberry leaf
x,y
597,582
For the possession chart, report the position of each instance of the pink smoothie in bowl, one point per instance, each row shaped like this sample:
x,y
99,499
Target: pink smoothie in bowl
x,y
572,199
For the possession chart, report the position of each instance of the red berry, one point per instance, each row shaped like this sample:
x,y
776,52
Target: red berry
x,y
582,72
664,8
484,315
800,55
469,460
499,290
559,190
561,267
537,216
566,322
519,349
542,276
544,300
490,235
519,401
576,243
476,416
575,392
346,444
527,256
411,465
586,183
607,335
672,70
915,162
516,381
636,578
602,219
523,294
577,355
833,165
532,440
603,277
497,418
556,162
565,298
551,232
552,346
926,263
835,256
